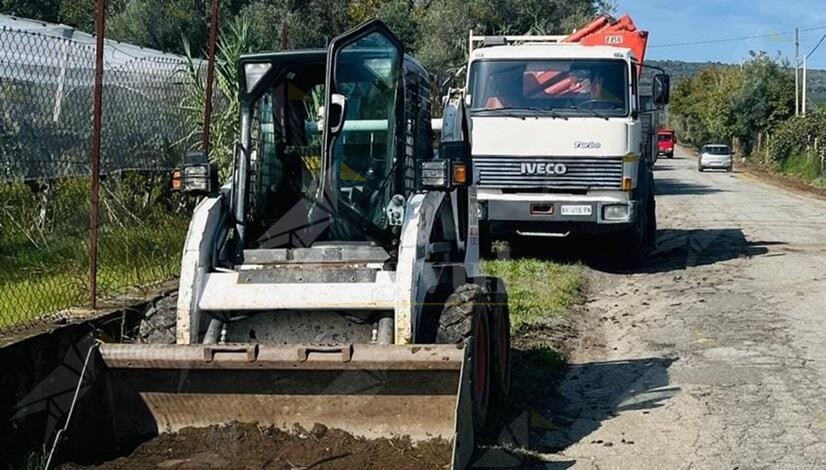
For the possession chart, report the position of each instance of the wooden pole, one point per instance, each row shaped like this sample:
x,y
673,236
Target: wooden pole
x,y
213,35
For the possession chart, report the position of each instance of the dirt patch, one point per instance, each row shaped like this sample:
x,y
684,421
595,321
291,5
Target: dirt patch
x,y
784,181
249,447
540,355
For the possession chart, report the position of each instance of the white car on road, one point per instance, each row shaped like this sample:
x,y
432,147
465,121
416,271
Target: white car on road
x,y
715,156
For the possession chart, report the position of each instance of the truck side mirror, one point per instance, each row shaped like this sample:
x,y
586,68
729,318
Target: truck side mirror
x,y
661,89
197,176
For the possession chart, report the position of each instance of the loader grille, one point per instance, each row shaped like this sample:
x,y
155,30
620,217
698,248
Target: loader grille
x,y
521,172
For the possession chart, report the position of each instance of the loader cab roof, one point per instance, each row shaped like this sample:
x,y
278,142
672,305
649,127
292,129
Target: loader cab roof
x,y
551,51
257,70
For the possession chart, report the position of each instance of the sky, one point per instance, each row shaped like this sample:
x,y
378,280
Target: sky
x,y
680,21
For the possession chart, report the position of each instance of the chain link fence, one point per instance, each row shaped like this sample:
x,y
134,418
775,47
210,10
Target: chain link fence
x,y
46,84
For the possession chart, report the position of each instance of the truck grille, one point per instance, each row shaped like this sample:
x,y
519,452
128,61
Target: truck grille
x,y
580,172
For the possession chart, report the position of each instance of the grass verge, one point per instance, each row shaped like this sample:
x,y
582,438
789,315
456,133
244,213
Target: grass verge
x,y
802,167
537,289
45,280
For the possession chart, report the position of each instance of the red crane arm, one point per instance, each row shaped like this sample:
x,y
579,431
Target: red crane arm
x,y
607,31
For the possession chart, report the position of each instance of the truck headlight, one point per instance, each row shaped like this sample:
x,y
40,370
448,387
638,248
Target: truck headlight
x,y
615,212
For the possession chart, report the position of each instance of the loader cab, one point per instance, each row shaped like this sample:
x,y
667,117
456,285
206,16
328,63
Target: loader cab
x,y
328,148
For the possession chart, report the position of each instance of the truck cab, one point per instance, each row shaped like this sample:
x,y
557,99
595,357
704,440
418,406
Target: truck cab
x,y
665,142
558,142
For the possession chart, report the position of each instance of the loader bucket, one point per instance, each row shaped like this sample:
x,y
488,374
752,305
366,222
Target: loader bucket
x,y
140,391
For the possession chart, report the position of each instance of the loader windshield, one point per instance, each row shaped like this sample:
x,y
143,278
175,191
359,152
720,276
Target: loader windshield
x,y
573,87
361,156
286,205
285,156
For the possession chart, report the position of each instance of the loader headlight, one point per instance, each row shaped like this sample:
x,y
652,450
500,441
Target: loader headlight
x,y
196,176
435,174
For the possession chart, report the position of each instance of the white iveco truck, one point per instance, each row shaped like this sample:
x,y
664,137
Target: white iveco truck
x,y
558,140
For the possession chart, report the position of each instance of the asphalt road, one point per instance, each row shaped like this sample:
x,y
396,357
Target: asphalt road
x,y
713,356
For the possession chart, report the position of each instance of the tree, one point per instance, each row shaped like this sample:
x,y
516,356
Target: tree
x,y
310,23
704,107
160,24
445,23
79,14
44,10
766,98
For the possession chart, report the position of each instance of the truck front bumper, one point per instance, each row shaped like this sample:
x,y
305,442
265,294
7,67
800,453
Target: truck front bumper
x,y
538,214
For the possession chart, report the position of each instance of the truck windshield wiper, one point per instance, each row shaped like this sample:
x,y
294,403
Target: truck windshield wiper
x,y
521,112
592,111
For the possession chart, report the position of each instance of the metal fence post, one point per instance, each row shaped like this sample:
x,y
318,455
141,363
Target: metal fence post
x,y
96,141
213,34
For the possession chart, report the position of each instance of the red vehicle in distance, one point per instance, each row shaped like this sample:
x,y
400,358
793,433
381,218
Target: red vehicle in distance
x,y
665,142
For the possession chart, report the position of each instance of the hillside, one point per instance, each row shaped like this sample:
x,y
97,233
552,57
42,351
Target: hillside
x,y
680,70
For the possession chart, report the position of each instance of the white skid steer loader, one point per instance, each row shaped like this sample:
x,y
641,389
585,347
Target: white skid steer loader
x,y
335,279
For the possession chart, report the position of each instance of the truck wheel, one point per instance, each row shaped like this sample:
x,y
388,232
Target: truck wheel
x,y
629,249
159,322
651,224
630,245
465,321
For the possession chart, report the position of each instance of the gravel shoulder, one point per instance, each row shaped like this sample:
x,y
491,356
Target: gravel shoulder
x,y
711,355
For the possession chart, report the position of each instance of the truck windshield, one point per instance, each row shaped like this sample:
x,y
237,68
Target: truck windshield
x,y
574,87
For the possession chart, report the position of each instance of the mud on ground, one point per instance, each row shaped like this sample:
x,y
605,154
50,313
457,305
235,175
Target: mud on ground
x,y
246,446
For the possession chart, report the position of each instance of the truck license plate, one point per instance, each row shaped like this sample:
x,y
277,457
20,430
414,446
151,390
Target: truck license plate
x,y
575,210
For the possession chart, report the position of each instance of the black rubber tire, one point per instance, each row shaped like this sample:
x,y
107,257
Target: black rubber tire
x,y
700,169
485,242
500,341
650,242
464,321
629,249
160,320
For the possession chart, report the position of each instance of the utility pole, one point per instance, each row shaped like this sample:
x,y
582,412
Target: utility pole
x,y
796,71
805,66
803,107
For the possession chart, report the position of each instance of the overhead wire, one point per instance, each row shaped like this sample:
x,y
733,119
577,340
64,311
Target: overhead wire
x,y
816,46
735,39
